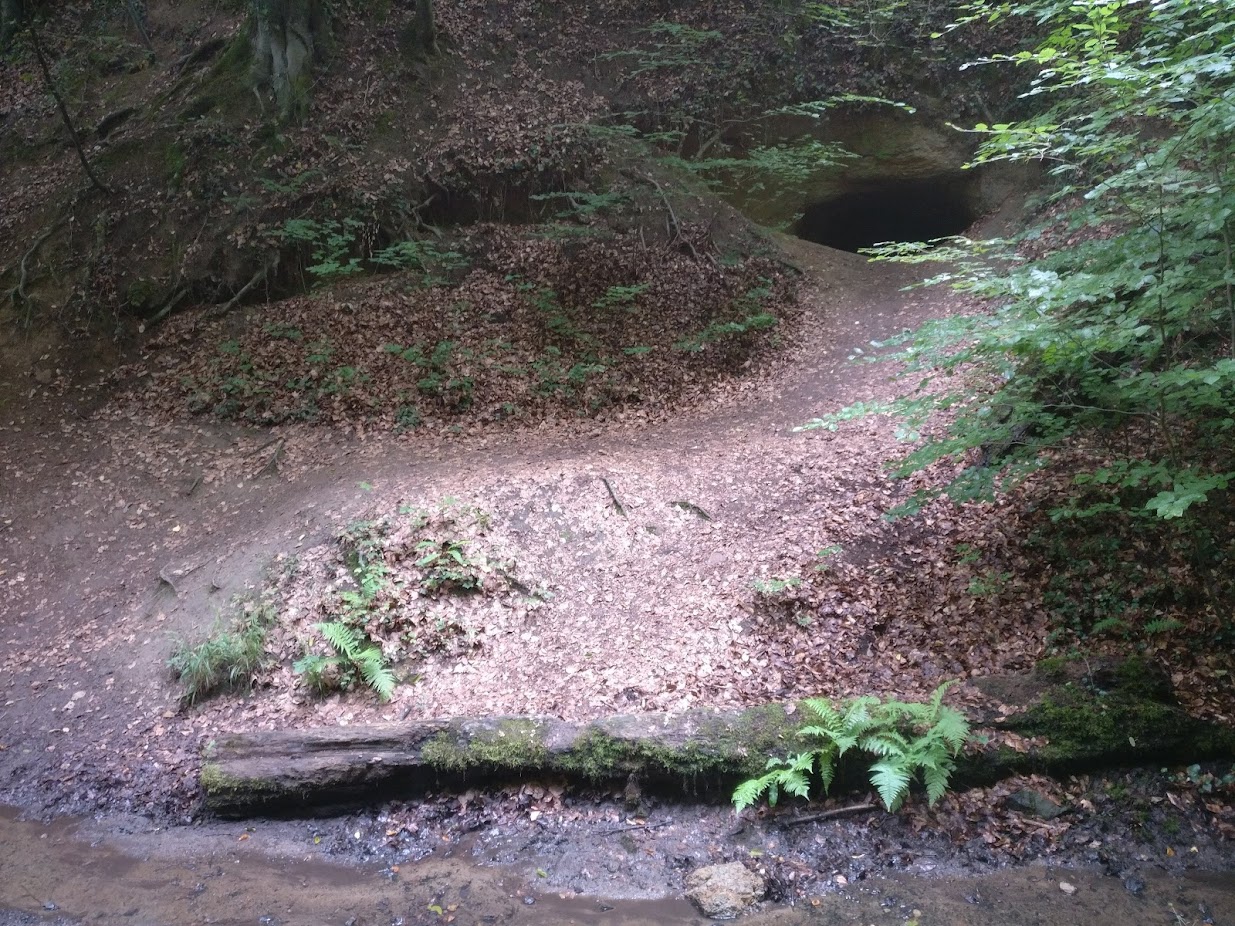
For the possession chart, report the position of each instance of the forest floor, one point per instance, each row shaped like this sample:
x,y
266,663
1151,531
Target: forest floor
x,y
125,528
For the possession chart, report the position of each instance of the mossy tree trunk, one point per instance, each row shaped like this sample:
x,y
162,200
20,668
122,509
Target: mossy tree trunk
x,y
287,35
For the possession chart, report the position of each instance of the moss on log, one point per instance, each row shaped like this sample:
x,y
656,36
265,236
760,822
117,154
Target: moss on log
x,y
1113,716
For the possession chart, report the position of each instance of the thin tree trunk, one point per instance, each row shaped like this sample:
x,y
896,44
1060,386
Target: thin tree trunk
x,y
64,112
426,27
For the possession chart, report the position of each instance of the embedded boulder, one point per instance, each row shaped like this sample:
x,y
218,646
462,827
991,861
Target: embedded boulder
x,y
723,891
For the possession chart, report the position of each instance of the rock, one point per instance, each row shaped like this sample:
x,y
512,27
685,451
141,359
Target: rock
x,y
723,891
1034,803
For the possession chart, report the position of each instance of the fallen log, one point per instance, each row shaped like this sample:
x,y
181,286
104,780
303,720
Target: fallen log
x,y
1074,720
696,751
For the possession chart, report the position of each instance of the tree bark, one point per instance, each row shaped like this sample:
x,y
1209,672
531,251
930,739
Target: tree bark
x,y
285,42
426,27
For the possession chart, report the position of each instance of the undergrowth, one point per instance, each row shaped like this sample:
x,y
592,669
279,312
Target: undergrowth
x,y
410,580
906,739
228,658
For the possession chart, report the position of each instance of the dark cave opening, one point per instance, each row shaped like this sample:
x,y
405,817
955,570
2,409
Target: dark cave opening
x,y
891,210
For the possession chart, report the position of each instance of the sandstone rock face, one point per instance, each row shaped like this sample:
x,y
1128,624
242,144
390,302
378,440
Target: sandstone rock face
x,y
724,891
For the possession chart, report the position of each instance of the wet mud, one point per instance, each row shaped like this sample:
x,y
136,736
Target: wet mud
x,y
71,872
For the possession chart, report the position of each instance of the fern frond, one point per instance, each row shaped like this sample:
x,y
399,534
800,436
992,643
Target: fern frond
x,y
891,780
936,701
936,778
343,638
886,743
377,675
824,710
952,728
748,792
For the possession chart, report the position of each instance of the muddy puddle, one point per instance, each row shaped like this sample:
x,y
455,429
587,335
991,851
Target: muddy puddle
x,y
69,872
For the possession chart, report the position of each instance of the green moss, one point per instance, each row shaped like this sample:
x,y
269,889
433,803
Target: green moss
x,y
722,748
215,781
1053,667
174,164
515,745
1085,727
237,57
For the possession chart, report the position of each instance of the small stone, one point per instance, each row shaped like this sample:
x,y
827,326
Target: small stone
x,y
1034,803
1134,884
723,891
1067,887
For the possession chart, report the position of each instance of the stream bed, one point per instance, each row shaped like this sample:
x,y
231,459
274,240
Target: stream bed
x,y
72,871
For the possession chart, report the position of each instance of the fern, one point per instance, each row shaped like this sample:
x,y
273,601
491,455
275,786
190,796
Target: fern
x,y
377,675
357,655
907,739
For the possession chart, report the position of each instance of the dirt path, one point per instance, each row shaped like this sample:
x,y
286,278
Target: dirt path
x,y
99,502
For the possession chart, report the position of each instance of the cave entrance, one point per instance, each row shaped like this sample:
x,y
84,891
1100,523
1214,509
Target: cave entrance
x,y
872,211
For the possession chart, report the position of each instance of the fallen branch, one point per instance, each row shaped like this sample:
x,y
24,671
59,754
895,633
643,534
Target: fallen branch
x,y
829,814
613,495
167,308
676,227
260,276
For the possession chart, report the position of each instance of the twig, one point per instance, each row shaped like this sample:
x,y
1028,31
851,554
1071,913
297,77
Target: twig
x,y
269,443
231,303
179,574
829,814
693,509
613,495
673,216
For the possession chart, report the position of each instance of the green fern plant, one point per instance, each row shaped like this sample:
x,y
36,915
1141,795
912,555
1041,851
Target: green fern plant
x,y
356,658
907,739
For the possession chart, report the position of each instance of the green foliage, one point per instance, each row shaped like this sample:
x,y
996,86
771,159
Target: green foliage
x,y
448,566
440,377
227,659
356,657
1125,325
337,248
583,204
719,331
395,566
906,739
626,297
671,46
774,585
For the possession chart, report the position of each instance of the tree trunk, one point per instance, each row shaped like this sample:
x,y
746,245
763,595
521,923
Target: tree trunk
x,y
286,35
426,27
11,14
